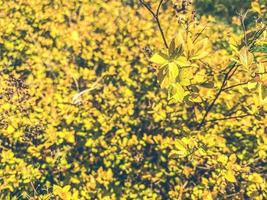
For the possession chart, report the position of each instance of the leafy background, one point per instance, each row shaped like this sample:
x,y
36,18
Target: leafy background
x,y
121,138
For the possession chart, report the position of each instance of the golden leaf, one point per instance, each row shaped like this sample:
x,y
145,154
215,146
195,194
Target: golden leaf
x,y
230,176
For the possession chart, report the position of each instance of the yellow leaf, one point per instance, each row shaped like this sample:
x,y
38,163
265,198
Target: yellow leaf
x,y
185,76
89,142
255,6
200,49
75,36
252,85
180,145
178,93
232,158
230,176
109,174
255,178
245,57
182,61
222,159
10,129
159,59
63,193
167,75
173,72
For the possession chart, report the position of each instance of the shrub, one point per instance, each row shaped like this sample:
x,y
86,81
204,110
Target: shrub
x,y
88,113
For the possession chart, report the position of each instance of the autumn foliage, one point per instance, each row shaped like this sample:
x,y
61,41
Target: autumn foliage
x,y
109,99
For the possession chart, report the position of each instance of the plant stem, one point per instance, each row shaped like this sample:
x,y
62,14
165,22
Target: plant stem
x,y
230,73
217,95
156,17
227,118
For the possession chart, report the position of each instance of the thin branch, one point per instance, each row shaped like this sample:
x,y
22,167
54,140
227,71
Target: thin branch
x,y
236,85
256,36
35,193
233,72
242,20
156,17
161,32
199,33
217,96
227,118
148,8
182,190
230,73
159,6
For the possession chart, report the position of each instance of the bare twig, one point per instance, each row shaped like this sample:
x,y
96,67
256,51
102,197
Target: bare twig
x,y
229,74
236,85
242,20
182,190
199,33
156,17
35,193
217,95
227,118
159,6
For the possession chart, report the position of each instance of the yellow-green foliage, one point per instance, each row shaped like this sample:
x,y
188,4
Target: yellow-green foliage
x,y
83,115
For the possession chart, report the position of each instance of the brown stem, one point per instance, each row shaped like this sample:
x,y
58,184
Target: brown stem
x,y
236,85
227,118
217,96
230,73
156,17
159,6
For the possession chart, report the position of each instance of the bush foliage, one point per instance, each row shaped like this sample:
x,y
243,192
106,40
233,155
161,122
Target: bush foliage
x,y
97,103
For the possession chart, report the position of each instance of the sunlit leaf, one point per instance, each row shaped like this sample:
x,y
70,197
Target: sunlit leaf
x,y
159,58
246,57
177,93
230,176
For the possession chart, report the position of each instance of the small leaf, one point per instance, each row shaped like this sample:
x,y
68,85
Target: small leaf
x,y
172,47
255,6
263,85
178,93
180,150
230,176
252,85
178,51
167,75
256,178
208,84
185,76
182,61
245,57
173,72
200,49
263,94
